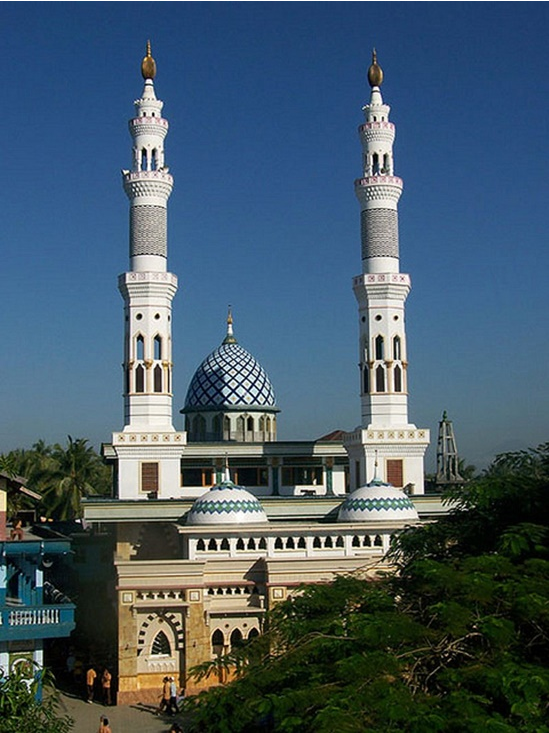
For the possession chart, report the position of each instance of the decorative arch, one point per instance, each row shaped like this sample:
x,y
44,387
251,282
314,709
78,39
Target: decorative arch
x,y
160,636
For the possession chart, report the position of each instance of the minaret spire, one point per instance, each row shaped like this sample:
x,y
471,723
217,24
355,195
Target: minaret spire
x,y
381,291
148,289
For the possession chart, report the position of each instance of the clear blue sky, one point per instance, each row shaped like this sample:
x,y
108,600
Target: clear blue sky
x,y
264,100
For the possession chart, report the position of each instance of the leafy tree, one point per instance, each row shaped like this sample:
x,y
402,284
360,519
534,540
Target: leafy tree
x,y
63,475
21,710
456,640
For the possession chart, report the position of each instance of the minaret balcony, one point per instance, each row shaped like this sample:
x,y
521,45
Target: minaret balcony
x,y
375,188
149,120
376,126
154,126
148,183
377,132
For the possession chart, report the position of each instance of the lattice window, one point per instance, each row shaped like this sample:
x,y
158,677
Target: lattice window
x,y
149,477
161,645
395,472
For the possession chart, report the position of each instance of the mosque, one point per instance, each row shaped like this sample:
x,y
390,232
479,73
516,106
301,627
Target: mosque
x,y
214,525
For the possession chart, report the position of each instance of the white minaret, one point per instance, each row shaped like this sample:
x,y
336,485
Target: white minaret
x,y
381,292
148,290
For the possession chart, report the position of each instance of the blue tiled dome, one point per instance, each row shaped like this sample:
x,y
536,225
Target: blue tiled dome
x,y
230,377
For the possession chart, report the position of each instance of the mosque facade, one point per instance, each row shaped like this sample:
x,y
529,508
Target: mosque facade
x,y
213,525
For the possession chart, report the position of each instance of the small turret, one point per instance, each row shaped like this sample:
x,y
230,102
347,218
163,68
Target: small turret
x,y
447,455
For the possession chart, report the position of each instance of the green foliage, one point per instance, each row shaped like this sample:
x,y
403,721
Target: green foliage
x,y
456,640
63,475
22,712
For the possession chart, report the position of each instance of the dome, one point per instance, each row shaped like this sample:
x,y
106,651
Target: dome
x,y
377,500
226,503
229,377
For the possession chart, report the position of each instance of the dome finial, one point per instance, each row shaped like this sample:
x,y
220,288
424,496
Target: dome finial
x,y
229,338
148,65
226,471
375,74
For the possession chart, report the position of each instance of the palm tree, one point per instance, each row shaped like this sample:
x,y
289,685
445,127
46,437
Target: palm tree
x,y
68,474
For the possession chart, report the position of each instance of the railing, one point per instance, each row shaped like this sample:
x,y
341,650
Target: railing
x,y
30,617
40,621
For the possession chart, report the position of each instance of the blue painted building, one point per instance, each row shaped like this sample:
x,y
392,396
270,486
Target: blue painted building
x,y
32,609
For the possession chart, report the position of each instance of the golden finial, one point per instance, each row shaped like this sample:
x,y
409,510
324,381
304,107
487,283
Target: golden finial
x,y
375,74
229,338
148,66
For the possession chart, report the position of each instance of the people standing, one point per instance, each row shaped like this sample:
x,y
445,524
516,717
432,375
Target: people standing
x,y
165,696
106,678
91,674
172,707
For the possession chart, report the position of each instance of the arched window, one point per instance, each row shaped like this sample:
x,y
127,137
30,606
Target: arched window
x,y
250,424
340,542
226,428
301,543
268,424
366,379
261,424
157,347
140,348
375,163
216,424
290,544
367,541
212,545
240,544
380,347
278,544
199,427
262,544
328,542
144,159
386,163
253,634
218,642
251,544
378,542
140,378
236,638
154,160
224,544
161,645
396,348
240,422
200,546
356,541
380,379
158,378
316,542
398,379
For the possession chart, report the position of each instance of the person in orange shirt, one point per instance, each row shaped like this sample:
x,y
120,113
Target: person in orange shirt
x,y
91,674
